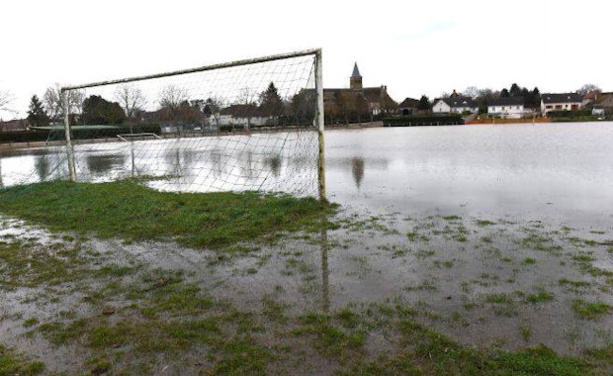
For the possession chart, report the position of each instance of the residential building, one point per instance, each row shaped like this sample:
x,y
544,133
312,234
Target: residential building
x,y
605,101
589,98
13,125
560,102
240,114
455,105
508,108
408,106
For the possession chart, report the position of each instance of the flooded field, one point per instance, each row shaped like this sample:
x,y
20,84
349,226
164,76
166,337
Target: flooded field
x,y
499,237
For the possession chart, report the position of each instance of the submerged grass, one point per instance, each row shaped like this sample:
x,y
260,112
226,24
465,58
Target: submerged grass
x,y
131,211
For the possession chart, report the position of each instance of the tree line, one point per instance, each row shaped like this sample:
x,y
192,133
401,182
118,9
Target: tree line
x,y
129,106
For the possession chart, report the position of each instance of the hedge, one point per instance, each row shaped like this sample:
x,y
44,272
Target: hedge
x,y
57,134
569,114
23,136
417,120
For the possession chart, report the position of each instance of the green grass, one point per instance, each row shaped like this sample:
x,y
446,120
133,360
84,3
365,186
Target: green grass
x,y
452,218
128,210
539,297
501,298
484,222
572,283
14,364
330,338
591,311
529,261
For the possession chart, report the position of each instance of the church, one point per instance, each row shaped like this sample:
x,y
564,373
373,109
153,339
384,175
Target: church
x,y
358,101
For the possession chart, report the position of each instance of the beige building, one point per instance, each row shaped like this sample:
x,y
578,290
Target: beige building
x,y
358,99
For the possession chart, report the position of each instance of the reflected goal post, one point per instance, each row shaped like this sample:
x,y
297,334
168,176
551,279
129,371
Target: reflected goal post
x,y
248,125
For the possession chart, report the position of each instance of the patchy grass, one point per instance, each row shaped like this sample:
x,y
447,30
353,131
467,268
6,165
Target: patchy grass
x,y
133,212
529,261
329,339
591,311
452,218
437,355
501,298
540,297
573,283
31,264
14,364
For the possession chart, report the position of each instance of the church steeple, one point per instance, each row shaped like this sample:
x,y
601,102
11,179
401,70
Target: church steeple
x,y
355,81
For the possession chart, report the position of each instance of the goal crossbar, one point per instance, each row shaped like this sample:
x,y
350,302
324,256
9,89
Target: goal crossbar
x,y
199,69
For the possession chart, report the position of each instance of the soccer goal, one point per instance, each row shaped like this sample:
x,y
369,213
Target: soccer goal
x,y
248,125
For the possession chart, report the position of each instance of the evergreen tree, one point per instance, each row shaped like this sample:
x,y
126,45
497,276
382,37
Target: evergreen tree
x,y
424,104
505,93
37,116
515,90
271,103
97,110
535,97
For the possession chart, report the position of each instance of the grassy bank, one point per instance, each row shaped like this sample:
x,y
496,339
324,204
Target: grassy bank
x,y
133,212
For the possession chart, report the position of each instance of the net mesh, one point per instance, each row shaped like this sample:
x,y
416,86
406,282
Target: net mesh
x,y
236,128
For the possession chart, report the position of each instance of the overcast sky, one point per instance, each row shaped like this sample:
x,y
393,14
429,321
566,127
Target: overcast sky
x,y
414,48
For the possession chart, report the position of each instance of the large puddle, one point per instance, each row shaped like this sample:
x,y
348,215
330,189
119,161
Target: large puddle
x,y
492,233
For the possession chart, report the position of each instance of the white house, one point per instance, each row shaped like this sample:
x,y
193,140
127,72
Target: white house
x,y
240,115
561,102
441,106
511,108
456,105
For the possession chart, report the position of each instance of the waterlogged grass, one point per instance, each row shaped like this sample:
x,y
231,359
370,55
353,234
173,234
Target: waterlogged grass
x,y
131,211
14,364
591,310
163,317
235,342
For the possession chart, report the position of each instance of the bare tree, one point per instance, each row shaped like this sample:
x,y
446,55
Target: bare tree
x,y
5,99
54,105
172,97
471,92
131,99
589,88
246,98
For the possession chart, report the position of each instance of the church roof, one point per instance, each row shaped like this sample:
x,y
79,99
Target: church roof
x,y
356,71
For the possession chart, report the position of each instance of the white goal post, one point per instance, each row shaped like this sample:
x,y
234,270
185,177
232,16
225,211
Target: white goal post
x,y
253,124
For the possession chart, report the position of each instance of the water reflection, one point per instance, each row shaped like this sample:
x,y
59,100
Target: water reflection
x,y
103,164
274,162
357,169
325,272
42,166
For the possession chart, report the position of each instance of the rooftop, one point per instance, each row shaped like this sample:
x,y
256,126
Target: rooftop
x,y
356,71
510,101
561,98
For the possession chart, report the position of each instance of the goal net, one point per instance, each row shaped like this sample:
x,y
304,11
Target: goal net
x,y
250,125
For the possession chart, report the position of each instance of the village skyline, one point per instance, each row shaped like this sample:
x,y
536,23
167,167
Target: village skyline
x,y
499,45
